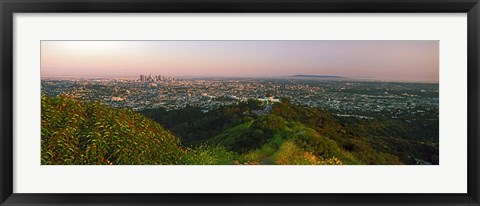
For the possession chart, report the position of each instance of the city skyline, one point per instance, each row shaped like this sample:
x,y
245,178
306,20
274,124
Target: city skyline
x,y
409,61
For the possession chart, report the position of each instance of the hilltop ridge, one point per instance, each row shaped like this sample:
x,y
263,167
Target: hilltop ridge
x,y
317,76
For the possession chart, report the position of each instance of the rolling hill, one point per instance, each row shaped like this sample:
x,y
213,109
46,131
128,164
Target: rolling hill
x,y
77,133
90,133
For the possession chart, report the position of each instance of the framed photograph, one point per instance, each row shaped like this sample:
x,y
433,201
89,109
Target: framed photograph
x,y
239,102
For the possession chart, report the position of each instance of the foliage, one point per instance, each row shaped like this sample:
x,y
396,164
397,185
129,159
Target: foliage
x,y
209,155
194,126
91,133
76,133
291,154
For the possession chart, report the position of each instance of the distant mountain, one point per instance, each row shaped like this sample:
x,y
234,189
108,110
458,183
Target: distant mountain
x,y
317,76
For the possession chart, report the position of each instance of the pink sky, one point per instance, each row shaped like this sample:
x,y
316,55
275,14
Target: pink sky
x,y
381,60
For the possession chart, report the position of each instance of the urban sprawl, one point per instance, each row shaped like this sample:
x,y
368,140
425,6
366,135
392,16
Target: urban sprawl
x,y
343,97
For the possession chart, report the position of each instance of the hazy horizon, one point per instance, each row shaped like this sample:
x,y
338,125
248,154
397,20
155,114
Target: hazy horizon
x,y
399,61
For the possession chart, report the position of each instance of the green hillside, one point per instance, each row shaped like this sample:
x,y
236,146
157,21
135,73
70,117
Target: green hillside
x,y
259,138
271,139
79,133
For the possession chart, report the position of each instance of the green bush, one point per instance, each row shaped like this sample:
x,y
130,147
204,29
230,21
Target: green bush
x,y
209,155
91,133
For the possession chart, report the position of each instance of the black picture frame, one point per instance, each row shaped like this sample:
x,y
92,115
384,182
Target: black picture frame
x,y
9,7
